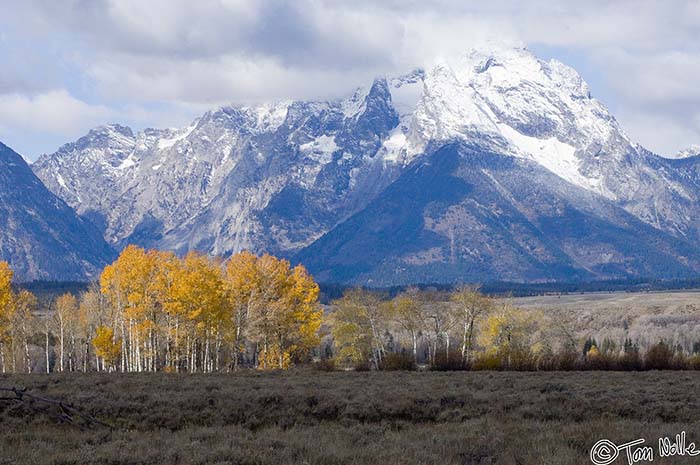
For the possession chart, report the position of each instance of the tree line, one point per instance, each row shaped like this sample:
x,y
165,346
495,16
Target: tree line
x,y
464,329
155,311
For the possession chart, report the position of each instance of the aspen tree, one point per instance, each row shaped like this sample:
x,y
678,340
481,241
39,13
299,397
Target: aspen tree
x,y
358,323
284,317
406,310
198,296
107,348
6,309
508,333
65,322
242,286
25,304
472,306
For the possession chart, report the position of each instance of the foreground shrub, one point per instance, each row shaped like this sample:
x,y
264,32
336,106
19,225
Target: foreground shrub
x,y
693,362
325,364
659,357
595,360
487,362
512,360
546,361
394,361
362,366
630,361
566,359
520,360
679,362
452,363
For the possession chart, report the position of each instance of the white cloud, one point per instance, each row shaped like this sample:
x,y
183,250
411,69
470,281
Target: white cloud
x,y
54,112
657,96
659,77
219,81
654,131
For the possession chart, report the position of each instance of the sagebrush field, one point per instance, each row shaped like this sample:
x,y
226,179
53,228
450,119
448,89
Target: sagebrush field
x,y
308,417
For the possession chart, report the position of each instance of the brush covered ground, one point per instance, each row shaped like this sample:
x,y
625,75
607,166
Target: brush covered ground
x,y
325,418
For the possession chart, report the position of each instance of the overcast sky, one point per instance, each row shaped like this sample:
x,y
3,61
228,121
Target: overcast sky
x,y
69,65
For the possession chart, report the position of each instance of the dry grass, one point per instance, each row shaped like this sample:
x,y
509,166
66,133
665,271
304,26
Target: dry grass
x,y
347,418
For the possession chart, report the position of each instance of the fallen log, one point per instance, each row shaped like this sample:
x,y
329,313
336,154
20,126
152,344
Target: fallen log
x,y
68,411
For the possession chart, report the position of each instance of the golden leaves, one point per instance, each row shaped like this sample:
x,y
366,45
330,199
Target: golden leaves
x,y
196,303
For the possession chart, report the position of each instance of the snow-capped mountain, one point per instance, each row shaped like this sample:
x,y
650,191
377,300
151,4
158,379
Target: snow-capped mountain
x,y
40,236
279,177
236,178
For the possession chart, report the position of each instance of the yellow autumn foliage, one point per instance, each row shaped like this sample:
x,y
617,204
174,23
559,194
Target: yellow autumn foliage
x,y
187,313
106,346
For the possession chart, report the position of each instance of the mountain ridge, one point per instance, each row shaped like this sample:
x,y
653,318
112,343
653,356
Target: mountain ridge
x,y
40,236
485,223
279,177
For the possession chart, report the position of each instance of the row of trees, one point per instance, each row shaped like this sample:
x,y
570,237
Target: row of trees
x,y
436,328
465,329
154,311
198,314
365,327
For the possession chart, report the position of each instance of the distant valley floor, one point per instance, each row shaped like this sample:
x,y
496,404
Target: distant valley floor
x,y
667,301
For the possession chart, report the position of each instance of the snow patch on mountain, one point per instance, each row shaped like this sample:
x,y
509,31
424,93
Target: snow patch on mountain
x,y
61,181
128,162
321,149
355,105
269,117
166,143
558,157
396,149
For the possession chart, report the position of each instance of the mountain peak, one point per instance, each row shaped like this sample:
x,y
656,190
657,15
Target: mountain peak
x,y
503,66
109,137
495,52
692,151
113,128
111,134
